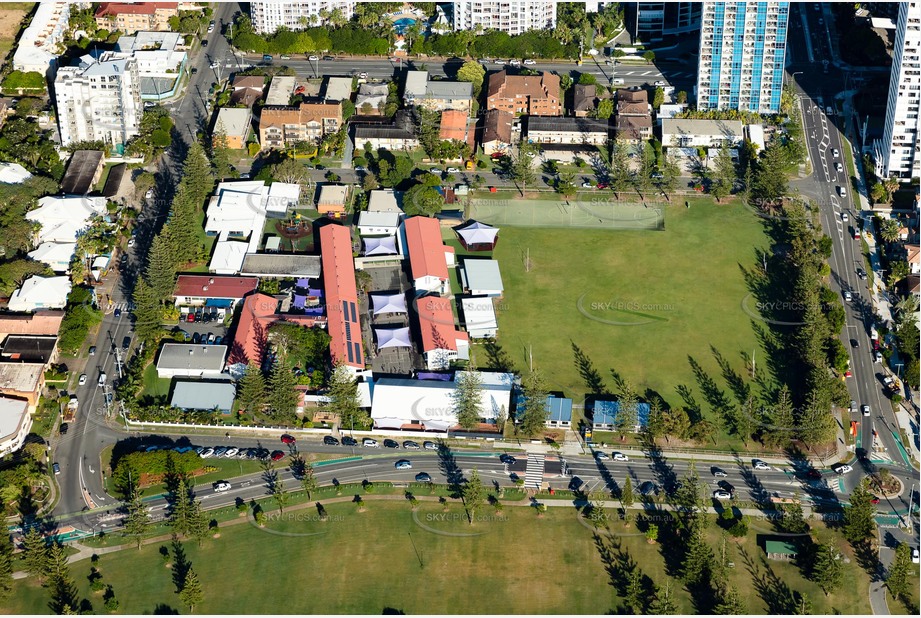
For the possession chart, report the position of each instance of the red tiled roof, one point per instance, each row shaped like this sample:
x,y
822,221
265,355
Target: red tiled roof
x,y
211,286
133,8
453,125
251,335
426,249
44,322
341,296
436,324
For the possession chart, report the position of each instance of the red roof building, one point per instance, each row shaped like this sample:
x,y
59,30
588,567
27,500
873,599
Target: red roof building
x,y
428,255
42,322
341,297
129,17
453,125
257,316
213,290
442,342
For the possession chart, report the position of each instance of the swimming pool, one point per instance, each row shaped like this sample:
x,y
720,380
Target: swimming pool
x,y
402,24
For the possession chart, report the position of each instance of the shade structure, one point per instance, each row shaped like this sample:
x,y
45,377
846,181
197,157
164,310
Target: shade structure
x,y
303,283
384,245
300,301
475,233
392,338
388,303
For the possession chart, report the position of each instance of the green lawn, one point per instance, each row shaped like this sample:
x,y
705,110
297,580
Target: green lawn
x,y
153,385
639,302
390,558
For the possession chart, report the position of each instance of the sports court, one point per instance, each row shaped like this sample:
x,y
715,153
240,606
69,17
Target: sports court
x,y
597,213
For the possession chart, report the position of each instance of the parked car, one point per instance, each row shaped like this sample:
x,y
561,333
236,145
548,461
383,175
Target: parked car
x,y
423,477
403,464
330,441
92,351
82,379
208,452
370,443
757,464
63,429
126,342
196,337
349,441
844,216
287,438
410,445
429,446
277,455
720,494
838,167
231,452
56,467
391,444
619,456
914,555
190,317
649,488
842,468
861,274
221,486
834,152
530,62
362,75
506,459
601,456
285,57
877,356
328,58
211,26
453,170
659,83
149,194
220,451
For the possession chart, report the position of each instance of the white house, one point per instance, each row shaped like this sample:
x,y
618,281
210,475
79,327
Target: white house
x,y
479,317
690,133
13,174
238,209
15,424
282,197
56,255
191,360
482,278
62,219
378,223
41,293
228,257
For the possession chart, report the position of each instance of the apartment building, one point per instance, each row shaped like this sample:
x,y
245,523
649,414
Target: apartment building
x,y
437,95
134,16
268,15
281,127
99,100
538,95
742,50
652,21
512,16
897,152
39,44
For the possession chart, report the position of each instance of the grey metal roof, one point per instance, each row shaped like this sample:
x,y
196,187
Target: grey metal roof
x,y
203,395
482,275
449,90
192,356
278,265
80,172
567,125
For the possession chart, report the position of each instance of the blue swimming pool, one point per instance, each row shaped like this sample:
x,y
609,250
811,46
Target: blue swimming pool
x,y
402,24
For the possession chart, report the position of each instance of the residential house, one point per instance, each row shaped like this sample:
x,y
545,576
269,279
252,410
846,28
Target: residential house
x,y
284,127
212,290
129,17
247,89
604,416
203,396
386,200
57,255
191,360
537,95
333,199
15,424
280,90
12,173
371,99
441,341
497,132
569,131
482,278
437,95
338,89
399,134
63,219
585,99
634,115
453,125
42,322
378,223
693,133
479,317
41,293
257,315
913,256
429,257
234,123
414,86
84,171
341,293
238,209
30,349
22,381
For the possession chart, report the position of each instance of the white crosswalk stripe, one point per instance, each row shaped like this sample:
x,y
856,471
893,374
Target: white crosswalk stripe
x,y
534,474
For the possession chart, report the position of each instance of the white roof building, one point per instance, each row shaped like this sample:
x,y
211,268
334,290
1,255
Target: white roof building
x,y
41,293
238,209
687,132
64,218
228,257
383,223
385,200
157,52
37,49
280,90
13,173
15,424
338,89
479,317
482,277
191,360
56,255
399,402
281,197
234,122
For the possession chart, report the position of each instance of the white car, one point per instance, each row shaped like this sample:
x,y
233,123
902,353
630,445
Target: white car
x,y
131,241
453,170
586,185
514,63
214,65
844,216
914,555
601,456
619,456
847,296
362,75
721,494
842,469
498,62
865,410
149,194
221,486
757,464
82,379
312,58
718,472
370,443
838,167
529,62
208,452
435,170
659,83
834,152
231,452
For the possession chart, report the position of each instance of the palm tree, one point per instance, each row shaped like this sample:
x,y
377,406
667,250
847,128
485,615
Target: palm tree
x,y
889,230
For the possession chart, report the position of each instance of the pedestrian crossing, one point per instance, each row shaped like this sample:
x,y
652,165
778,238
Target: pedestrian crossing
x,y
123,305
534,473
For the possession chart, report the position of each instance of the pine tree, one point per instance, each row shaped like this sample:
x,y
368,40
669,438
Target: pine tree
x,y
620,175
279,494
180,509
35,553
534,410
138,521
731,603
197,521
782,421
6,568
816,424
627,413
859,522
467,398
897,579
634,595
282,394
725,175
308,480
251,390
828,569
626,494
64,596
663,603
220,155
161,266
598,514
792,518
148,312
191,593
473,495
770,181
343,398
182,226
698,559
196,173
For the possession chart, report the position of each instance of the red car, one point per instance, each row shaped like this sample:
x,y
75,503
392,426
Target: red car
x,y
602,185
287,439
276,455
874,500
191,317
848,374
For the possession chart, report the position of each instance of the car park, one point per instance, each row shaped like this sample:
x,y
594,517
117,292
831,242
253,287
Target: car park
x,y
718,472
757,464
410,445
277,455
221,486
429,446
423,477
391,444
619,456
287,438
720,494
600,456
330,441
865,410
349,441
842,469
82,379
56,467
370,443
403,464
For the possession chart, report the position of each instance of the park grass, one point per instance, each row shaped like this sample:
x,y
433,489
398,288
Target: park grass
x,y
391,558
153,386
676,293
